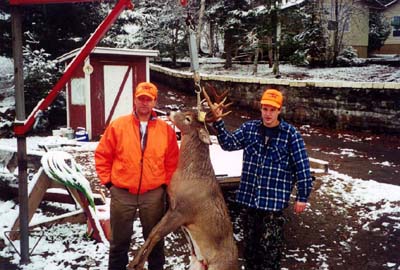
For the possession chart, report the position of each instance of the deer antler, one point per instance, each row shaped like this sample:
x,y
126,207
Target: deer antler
x,y
213,115
218,98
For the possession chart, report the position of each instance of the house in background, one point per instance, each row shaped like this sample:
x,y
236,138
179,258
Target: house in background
x,y
356,27
391,10
351,17
102,88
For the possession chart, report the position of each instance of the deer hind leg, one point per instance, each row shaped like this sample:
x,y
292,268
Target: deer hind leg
x,y
169,223
195,264
196,259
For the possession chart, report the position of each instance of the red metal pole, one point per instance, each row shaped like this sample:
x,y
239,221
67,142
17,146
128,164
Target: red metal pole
x,y
21,128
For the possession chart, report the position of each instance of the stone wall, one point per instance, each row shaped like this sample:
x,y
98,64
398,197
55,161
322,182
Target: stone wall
x,y
360,106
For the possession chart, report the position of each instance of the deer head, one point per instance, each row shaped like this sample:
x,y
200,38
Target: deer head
x,y
189,124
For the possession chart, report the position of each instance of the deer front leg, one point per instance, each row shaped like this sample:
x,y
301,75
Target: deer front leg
x,y
141,257
169,223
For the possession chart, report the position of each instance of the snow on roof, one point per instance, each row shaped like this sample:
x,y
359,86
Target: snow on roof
x,y
381,4
290,3
111,51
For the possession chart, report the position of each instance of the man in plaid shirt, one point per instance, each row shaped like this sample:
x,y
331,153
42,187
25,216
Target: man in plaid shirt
x,y
274,160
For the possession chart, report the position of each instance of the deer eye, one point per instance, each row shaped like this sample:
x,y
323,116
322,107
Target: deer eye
x,y
188,119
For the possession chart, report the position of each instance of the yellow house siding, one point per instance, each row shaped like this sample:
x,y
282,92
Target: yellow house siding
x,y
358,24
357,37
359,27
389,13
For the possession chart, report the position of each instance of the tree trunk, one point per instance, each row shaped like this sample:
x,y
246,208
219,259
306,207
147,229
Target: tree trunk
x,y
200,24
336,33
255,62
275,69
175,34
270,52
228,45
212,46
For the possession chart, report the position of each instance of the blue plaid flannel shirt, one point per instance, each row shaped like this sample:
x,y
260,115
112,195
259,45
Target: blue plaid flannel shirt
x,y
269,171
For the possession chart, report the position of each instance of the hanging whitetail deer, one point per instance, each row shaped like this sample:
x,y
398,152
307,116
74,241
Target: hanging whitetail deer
x,y
196,203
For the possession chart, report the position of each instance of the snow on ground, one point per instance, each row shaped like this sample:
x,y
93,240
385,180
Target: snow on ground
x,y
370,73
358,192
67,242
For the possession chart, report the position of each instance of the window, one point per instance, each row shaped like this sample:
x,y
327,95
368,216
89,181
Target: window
x,y
332,25
396,26
343,23
78,91
396,22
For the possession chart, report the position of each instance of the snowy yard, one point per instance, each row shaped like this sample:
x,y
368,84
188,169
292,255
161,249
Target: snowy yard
x,y
359,207
352,222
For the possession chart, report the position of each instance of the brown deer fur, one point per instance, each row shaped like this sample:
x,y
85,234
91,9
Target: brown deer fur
x,y
196,202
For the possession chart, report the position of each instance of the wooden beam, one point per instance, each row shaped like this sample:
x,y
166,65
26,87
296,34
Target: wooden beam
x,y
50,195
319,164
77,216
34,199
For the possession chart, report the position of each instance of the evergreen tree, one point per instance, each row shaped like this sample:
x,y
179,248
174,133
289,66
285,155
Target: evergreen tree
x,y
5,30
379,31
58,28
230,16
312,41
152,25
40,75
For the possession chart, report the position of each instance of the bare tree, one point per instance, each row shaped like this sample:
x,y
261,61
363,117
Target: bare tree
x,y
278,28
341,14
200,23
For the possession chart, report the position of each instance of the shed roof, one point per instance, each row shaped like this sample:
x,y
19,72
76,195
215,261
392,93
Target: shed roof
x,y
381,4
111,51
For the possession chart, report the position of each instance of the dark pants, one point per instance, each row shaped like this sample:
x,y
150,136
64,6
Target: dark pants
x,y
263,239
124,206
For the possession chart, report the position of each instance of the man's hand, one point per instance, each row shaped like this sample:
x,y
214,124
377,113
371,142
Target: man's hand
x,y
299,207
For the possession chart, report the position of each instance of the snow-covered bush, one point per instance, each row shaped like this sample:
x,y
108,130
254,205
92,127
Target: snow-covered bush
x,y
6,68
299,58
349,57
40,75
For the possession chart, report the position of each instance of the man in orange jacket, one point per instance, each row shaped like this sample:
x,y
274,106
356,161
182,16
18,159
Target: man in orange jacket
x,y
135,159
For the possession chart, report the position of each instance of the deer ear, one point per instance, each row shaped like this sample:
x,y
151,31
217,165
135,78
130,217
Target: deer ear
x,y
204,136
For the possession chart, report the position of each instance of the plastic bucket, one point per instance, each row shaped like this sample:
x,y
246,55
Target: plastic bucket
x,y
81,135
63,131
69,133
57,132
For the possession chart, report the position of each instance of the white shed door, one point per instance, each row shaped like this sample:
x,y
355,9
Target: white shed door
x,y
117,81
